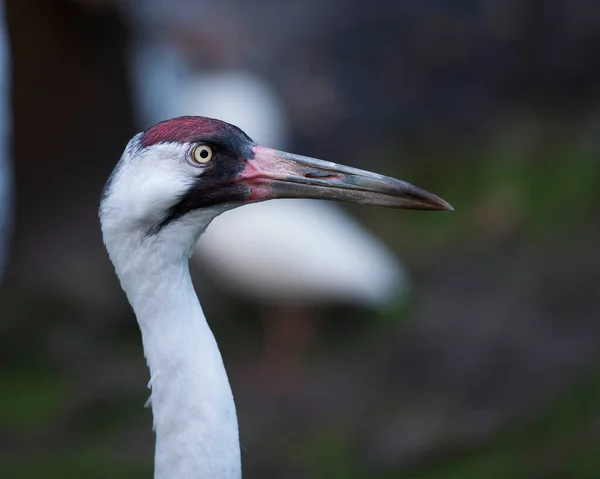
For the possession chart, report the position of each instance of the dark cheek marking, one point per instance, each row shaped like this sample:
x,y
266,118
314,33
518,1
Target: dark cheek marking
x,y
203,196
225,169
218,196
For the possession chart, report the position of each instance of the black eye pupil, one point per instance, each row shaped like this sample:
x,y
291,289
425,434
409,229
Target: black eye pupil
x,y
204,154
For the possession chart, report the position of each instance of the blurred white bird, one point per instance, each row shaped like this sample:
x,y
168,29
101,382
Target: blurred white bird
x,y
5,167
317,254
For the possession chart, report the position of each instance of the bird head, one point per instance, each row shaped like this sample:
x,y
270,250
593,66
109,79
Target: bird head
x,y
178,175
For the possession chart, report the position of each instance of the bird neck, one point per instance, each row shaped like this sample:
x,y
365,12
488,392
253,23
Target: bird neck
x,y
192,404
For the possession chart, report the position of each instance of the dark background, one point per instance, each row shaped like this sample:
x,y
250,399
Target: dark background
x,y
489,369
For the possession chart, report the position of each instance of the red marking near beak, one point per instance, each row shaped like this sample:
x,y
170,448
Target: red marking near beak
x,y
261,171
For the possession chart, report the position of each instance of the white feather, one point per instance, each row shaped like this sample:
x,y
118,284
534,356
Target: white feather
x,y
192,404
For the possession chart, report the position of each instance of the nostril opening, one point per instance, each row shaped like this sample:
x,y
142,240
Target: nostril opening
x,y
321,175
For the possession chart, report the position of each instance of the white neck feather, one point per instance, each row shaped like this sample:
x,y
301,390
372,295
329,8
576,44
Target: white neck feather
x,y
194,412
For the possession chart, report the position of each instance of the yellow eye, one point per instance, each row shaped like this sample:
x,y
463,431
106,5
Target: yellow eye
x,y
202,154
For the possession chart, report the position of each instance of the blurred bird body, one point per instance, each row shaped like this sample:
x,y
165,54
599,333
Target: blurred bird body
x,y
312,254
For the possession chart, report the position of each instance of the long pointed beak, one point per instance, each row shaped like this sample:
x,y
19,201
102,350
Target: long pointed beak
x,y
277,174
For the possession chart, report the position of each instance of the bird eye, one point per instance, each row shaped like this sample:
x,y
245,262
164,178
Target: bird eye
x,y
202,154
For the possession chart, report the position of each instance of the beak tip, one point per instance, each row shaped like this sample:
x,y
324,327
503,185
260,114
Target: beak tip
x,y
447,206
436,203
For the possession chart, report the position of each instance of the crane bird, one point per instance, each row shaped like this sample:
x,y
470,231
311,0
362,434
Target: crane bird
x,y
172,180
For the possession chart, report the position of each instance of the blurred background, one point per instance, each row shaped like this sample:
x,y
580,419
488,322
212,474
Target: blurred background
x,y
414,345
